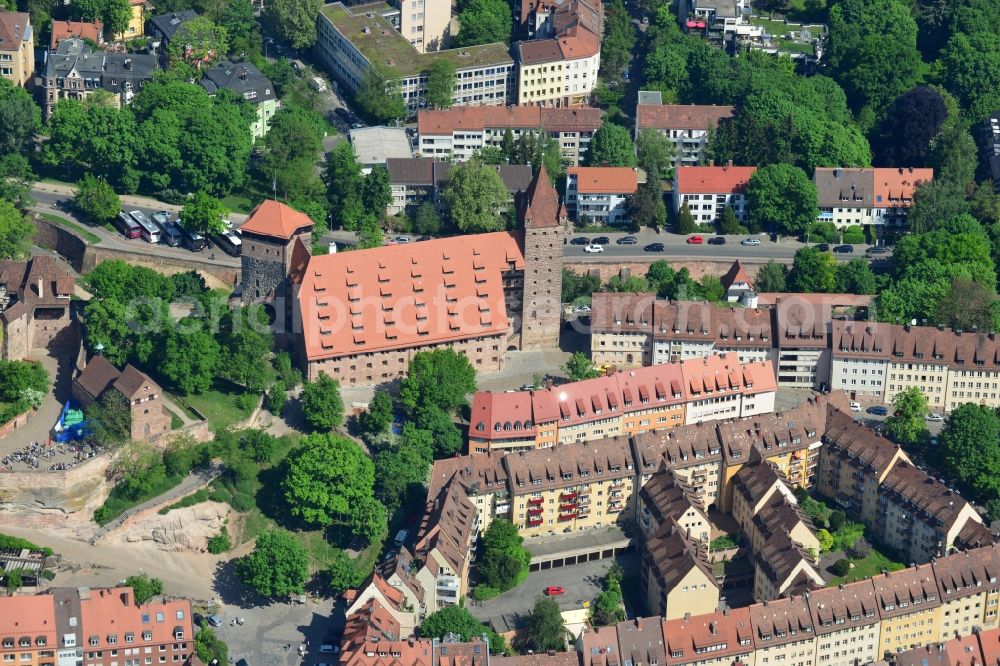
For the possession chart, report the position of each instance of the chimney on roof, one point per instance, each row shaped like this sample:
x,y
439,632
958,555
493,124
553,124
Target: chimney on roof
x,y
729,164
243,74
124,598
687,615
128,63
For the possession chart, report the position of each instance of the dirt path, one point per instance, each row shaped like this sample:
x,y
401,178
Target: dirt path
x,y
183,574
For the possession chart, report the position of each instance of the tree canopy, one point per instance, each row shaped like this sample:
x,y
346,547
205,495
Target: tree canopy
x,y
15,232
277,567
543,628
441,377
474,196
458,620
611,146
293,21
782,197
503,560
484,22
906,425
441,83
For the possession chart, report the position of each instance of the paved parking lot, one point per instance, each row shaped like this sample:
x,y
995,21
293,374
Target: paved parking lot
x,y
267,629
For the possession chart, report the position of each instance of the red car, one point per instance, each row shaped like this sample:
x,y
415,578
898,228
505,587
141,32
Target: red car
x,y
554,590
695,240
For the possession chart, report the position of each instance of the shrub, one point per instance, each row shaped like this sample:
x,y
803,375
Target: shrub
x,y
841,567
48,574
220,495
246,402
220,543
860,550
837,519
242,502
485,592
854,235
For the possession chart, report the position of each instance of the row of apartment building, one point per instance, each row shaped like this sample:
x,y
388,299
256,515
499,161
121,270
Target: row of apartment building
x,y
95,627
631,402
558,68
808,340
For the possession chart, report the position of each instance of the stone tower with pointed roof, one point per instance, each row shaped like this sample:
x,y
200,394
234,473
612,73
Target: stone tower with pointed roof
x,y
544,228
269,238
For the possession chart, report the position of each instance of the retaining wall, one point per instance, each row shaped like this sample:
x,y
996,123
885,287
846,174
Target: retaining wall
x,y
43,498
639,267
17,422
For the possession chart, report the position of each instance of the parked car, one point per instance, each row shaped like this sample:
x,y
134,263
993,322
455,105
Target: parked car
x,y
328,648
627,240
875,251
716,240
582,309
695,240
230,242
601,240
402,239
933,416
750,242
823,247
580,240
844,249
424,238
215,620
877,411
855,406
653,247
554,590
590,249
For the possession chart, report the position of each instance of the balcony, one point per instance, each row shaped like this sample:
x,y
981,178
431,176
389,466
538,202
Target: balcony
x,y
563,517
534,522
534,511
615,508
567,496
620,483
568,507
536,500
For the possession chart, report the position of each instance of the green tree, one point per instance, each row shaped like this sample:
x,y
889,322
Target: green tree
x,y
293,21
114,14
96,199
400,475
872,51
685,221
16,180
969,449
729,224
655,153
111,418
198,40
343,573
238,20
204,213
427,221
291,149
15,232
503,561
440,83
329,479
646,206
611,146
209,647
543,628
20,118
190,360
376,191
825,539
259,445
580,367
906,425
245,340
344,181
440,424
277,567
322,406
144,587
474,196
379,96
607,609
378,417
369,233
971,72
18,376
441,377
783,197
969,305
813,271
771,278
484,22
855,277
458,620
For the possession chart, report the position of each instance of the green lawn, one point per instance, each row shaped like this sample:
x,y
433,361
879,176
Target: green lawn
x,y
238,203
90,238
866,568
218,404
175,421
778,28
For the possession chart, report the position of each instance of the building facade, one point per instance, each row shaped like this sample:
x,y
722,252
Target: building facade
x,y
459,132
688,126
879,196
248,82
35,308
709,190
352,39
17,48
599,195
276,240
149,420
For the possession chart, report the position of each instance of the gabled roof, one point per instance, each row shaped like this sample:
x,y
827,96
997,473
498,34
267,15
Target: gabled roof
x,y
131,380
604,180
166,25
681,116
97,376
713,179
275,219
543,209
723,634
736,275
76,29
242,78
15,27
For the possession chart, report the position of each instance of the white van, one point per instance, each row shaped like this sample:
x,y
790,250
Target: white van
x,y
855,406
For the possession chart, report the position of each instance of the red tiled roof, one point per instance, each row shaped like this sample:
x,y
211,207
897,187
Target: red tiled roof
x,y
691,637
604,180
736,274
12,29
275,219
713,179
681,116
544,208
401,296
895,187
68,29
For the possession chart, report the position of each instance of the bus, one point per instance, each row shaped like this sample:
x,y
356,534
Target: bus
x,y
149,231
171,235
193,240
127,226
230,242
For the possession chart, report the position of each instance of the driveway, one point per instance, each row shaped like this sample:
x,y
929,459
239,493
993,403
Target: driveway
x,y
60,370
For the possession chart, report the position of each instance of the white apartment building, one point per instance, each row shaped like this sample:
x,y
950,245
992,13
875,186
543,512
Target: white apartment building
x,y
351,39
459,132
425,23
708,190
597,195
688,126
